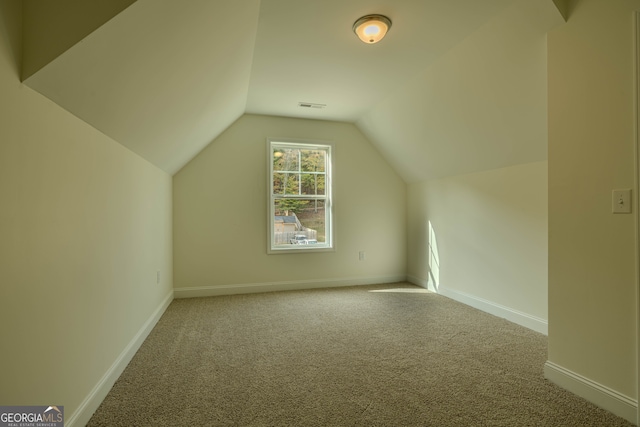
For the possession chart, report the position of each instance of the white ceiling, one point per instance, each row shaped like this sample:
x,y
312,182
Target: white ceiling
x,y
166,77
306,51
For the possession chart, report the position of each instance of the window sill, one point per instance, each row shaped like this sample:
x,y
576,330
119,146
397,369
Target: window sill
x,y
290,249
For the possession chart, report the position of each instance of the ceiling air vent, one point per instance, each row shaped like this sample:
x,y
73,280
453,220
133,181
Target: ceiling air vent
x,y
311,105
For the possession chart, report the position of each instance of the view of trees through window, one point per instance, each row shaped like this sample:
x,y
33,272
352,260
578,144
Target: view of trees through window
x,y
299,194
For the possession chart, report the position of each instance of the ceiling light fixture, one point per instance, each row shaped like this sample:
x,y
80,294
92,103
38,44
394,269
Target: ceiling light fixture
x,y
372,28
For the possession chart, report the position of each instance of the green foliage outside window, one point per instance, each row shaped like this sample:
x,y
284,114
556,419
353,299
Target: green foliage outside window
x,y
297,172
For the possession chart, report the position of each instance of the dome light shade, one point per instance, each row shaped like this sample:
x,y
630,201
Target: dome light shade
x,y
371,28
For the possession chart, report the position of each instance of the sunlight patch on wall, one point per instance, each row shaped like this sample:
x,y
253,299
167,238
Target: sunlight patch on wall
x,y
433,282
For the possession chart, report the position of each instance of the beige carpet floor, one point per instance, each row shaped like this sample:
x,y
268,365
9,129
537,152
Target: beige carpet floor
x,y
385,355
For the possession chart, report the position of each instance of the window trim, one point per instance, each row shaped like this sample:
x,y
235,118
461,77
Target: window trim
x,y
330,245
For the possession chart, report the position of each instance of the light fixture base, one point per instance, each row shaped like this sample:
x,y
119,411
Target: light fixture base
x,y
372,28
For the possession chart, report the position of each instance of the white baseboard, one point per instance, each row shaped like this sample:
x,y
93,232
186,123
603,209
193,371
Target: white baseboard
x,y
523,319
250,288
418,281
82,415
598,394
425,283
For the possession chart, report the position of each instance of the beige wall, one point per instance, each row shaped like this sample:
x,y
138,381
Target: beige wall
x,y
85,225
592,258
226,184
483,235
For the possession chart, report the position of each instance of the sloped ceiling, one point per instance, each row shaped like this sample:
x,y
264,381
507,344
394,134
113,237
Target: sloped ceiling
x,y
482,105
165,77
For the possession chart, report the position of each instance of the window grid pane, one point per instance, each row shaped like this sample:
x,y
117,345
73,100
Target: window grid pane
x,y
299,222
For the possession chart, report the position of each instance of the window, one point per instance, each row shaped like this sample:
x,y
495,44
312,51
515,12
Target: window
x,y
300,205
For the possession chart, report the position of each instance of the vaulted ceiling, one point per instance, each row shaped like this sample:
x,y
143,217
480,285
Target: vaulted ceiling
x,y
455,87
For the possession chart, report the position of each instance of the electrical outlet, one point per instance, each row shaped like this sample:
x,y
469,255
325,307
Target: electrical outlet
x,y
362,255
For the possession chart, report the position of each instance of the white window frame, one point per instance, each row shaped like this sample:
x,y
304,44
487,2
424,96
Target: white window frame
x,y
329,244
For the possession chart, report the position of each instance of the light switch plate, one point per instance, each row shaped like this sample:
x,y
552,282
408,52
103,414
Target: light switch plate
x,y
621,201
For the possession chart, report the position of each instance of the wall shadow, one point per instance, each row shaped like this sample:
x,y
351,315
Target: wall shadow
x,y
11,33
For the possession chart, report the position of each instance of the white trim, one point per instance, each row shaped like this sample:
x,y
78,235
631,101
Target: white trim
x,y
250,288
523,319
92,401
425,283
596,393
418,281
636,202
329,245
